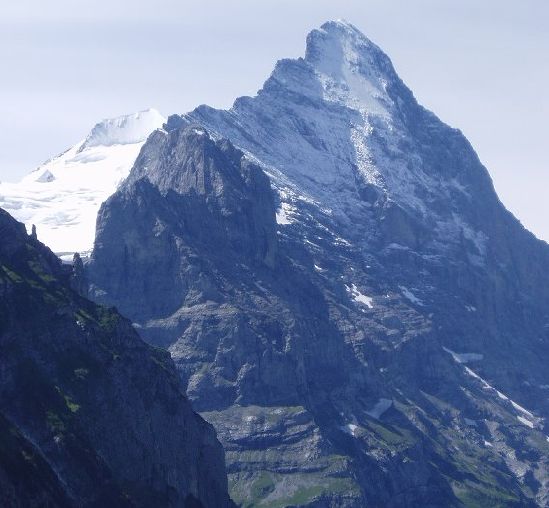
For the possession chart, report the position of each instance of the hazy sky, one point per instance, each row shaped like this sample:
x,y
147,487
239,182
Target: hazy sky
x,y
480,65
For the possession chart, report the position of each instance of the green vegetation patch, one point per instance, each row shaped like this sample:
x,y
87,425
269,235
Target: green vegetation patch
x,y
295,490
71,405
38,270
14,277
262,486
107,319
479,495
54,422
392,435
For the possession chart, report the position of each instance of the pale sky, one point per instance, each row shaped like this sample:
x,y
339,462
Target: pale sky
x,y
480,65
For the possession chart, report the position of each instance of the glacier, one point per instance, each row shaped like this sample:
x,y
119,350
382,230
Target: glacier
x,y
62,196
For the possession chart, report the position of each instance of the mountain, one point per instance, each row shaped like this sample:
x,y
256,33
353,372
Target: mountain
x,y
90,415
367,327
63,195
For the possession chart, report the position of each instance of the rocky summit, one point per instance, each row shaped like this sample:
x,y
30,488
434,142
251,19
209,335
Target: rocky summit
x,y
344,296
90,415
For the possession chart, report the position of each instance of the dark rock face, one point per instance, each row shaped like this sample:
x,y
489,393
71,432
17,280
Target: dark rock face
x,y
221,185
89,414
386,345
196,195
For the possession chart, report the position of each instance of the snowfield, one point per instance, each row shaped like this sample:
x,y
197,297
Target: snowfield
x,y
62,197
358,297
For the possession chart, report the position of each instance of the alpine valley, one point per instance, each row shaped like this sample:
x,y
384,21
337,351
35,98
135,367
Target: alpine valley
x,y
344,297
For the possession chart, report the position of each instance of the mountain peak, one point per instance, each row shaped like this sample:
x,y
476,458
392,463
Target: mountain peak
x,y
390,247
339,43
341,65
343,29
123,130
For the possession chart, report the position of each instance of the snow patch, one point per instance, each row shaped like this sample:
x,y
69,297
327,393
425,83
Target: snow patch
x,y
518,407
359,297
350,429
199,132
124,130
397,246
526,417
526,422
464,357
284,214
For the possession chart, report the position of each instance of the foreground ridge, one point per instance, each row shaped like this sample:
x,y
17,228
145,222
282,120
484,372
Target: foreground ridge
x,y
89,414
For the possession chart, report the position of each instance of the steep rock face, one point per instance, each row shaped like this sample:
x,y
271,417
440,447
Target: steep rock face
x,y
194,195
89,414
393,354
235,192
340,129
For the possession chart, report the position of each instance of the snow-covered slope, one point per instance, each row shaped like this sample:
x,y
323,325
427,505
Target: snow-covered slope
x,y
63,195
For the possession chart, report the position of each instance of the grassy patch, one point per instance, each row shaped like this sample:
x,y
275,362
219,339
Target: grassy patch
x,y
14,277
83,315
54,422
38,270
72,406
107,319
305,494
262,486
306,488
481,495
392,435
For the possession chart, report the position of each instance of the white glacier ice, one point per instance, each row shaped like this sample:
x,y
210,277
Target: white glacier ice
x,y
63,195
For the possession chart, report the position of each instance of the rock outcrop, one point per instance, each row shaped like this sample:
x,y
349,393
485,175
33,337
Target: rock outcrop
x,y
194,195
